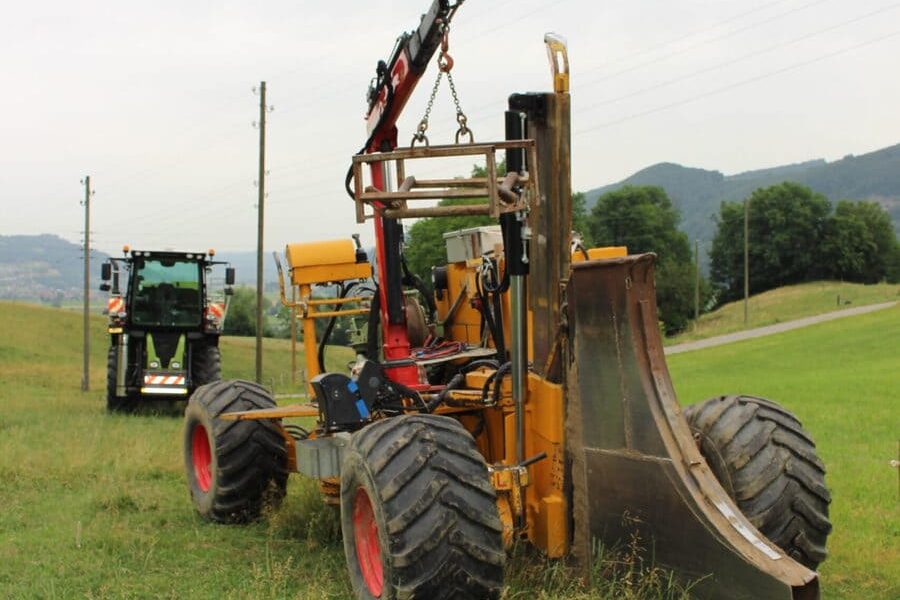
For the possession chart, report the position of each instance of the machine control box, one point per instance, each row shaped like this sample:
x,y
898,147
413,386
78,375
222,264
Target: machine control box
x,y
341,407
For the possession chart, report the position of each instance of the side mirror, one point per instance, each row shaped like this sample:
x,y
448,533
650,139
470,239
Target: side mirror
x,y
229,291
105,272
104,287
229,276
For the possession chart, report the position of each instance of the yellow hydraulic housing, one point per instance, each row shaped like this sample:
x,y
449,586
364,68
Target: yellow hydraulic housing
x,y
322,263
531,498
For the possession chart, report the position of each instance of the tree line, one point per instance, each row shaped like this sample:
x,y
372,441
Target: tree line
x,y
795,235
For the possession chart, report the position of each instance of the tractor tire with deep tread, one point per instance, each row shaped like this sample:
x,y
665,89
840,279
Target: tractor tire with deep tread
x,y
206,364
419,513
115,404
767,463
234,468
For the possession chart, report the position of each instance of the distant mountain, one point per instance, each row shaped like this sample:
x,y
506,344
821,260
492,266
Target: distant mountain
x,y
44,267
697,192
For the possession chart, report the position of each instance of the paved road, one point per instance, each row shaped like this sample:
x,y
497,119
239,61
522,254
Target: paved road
x,y
777,328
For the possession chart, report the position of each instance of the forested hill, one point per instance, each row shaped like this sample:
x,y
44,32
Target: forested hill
x,y
44,267
697,192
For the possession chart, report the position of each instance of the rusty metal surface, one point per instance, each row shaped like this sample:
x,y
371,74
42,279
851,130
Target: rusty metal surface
x,y
497,190
550,218
636,470
279,412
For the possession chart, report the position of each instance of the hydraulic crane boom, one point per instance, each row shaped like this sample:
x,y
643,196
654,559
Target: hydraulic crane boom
x,y
394,84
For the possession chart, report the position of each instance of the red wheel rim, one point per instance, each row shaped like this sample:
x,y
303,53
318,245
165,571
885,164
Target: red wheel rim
x,y
368,550
201,456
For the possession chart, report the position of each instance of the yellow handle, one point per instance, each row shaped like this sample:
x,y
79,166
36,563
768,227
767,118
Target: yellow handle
x,y
559,61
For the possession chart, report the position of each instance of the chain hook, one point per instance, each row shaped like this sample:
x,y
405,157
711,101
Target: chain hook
x,y
445,61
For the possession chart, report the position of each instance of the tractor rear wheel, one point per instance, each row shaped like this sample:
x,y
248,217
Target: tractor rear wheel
x,y
419,513
206,364
767,463
115,403
234,468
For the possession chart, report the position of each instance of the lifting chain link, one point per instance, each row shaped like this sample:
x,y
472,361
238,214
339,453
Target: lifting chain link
x,y
445,65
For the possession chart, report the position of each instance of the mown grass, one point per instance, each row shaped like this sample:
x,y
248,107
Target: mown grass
x,y
785,304
96,506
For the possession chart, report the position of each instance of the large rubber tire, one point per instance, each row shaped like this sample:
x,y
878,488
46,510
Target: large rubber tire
x,y
234,468
116,404
419,513
767,463
206,364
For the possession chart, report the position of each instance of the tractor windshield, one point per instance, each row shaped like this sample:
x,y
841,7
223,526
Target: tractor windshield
x,y
166,293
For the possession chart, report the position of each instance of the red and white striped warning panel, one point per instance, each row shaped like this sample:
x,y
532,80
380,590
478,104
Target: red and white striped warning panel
x,y
163,379
115,305
216,310
164,383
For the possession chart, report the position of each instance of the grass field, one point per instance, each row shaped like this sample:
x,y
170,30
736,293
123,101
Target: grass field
x,y
842,379
786,304
96,506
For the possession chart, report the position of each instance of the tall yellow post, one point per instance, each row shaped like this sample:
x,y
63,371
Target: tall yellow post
x,y
309,337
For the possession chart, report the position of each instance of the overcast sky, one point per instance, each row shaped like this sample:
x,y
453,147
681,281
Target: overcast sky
x,y
154,100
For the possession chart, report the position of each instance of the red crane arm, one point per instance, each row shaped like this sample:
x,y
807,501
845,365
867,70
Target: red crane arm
x,y
394,84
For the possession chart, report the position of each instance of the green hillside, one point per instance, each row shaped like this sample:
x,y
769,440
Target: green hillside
x,y
786,304
697,193
95,505
44,267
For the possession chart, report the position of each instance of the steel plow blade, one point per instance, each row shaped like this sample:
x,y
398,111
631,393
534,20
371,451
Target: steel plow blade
x,y
637,474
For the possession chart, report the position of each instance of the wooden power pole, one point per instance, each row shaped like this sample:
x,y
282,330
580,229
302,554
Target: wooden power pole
x,y
86,374
696,279
261,184
746,259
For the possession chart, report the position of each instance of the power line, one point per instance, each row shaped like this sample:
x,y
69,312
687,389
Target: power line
x,y
691,47
736,60
686,36
737,84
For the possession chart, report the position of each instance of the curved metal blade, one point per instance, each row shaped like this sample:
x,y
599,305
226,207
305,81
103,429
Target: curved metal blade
x,y
636,470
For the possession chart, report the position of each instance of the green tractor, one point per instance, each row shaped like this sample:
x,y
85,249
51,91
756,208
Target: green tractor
x,y
165,319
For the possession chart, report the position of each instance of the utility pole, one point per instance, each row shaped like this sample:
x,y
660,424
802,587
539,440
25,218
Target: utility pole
x,y
696,279
86,374
261,184
746,258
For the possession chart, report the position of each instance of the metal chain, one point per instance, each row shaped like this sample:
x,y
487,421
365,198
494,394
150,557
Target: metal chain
x,y
460,115
445,65
419,135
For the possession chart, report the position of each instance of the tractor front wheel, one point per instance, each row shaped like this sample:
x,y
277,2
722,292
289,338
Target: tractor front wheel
x,y
234,468
767,463
206,364
419,513
115,403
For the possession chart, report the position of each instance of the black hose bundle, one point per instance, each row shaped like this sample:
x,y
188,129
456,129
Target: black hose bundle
x,y
331,322
495,378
